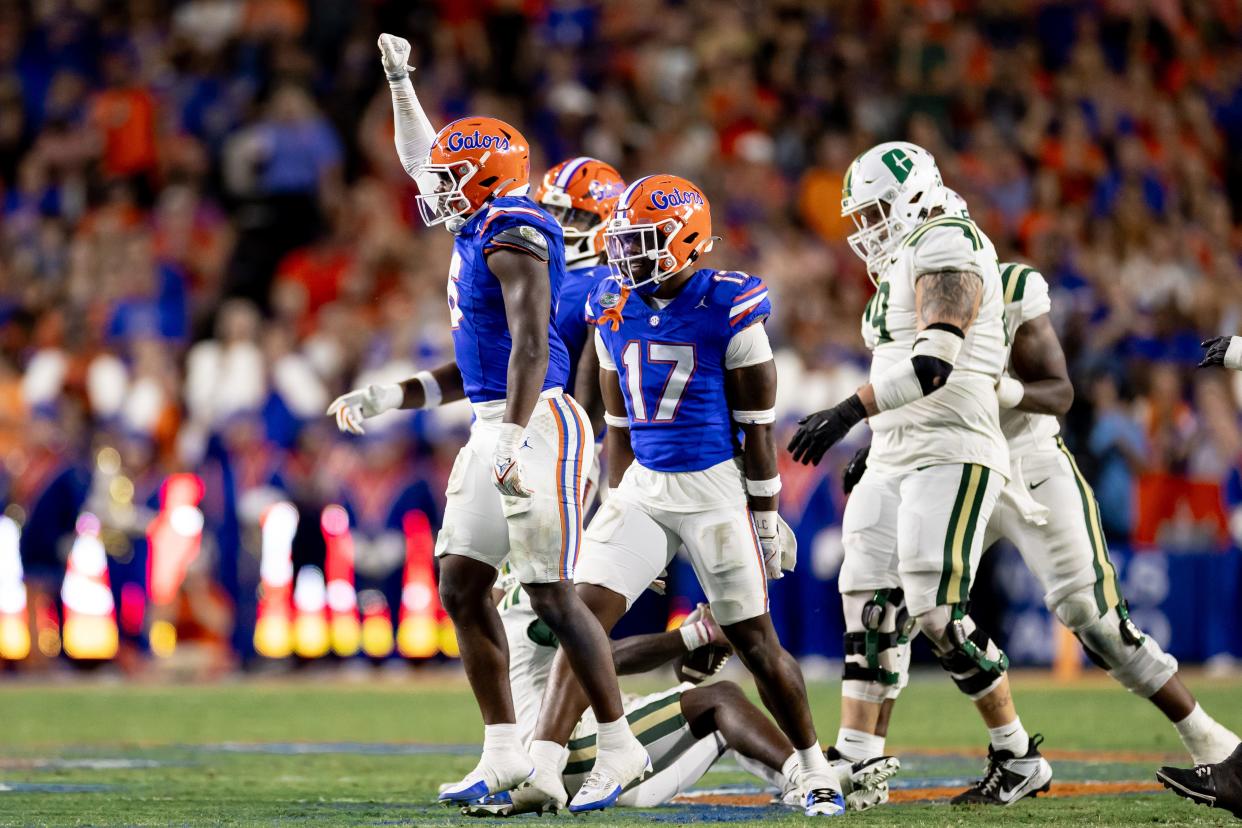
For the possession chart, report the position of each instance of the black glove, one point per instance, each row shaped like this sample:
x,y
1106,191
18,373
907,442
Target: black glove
x,y
824,429
855,468
1216,348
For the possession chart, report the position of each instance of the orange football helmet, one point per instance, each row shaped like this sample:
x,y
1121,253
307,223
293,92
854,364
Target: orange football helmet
x,y
662,224
474,160
580,194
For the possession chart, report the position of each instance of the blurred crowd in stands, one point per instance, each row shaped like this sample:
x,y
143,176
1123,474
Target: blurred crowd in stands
x,y
206,235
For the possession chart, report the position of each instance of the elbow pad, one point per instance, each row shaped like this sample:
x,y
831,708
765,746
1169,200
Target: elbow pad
x,y
934,354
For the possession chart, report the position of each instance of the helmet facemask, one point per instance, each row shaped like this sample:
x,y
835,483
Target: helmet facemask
x,y
582,228
880,230
448,204
639,253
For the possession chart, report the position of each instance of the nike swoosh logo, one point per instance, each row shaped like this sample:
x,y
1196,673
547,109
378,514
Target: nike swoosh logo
x,y
1035,486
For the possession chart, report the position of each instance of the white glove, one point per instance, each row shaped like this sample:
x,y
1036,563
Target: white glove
x,y
767,526
507,467
394,54
352,408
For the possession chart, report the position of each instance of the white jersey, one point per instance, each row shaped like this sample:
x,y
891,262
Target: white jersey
x,y
532,646
959,423
1026,298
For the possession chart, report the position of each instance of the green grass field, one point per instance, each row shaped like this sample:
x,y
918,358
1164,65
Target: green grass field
x,y
322,751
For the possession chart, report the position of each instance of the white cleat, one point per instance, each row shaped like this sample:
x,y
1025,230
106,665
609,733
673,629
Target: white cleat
x,y
492,775
527,798
861,800
865,782
611,775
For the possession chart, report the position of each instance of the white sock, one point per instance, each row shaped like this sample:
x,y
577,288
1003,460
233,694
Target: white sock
x,y
614,735
792,769
1196,725
814,770
856,745
549,757
500,737
1011,737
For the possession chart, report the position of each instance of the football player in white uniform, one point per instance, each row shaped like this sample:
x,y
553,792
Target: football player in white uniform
x,y
686,728
1050,513
913,528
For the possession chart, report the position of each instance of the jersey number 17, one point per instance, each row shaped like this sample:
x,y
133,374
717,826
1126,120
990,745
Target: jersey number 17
x,y
682,359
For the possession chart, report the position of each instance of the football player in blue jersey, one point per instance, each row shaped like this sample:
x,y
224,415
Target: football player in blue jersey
x,y
515,492
689,386
581,194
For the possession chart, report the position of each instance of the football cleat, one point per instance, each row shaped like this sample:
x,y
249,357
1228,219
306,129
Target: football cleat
x,y
524,799
826,802
865,782
1009,778
1217,786
488,777
604,785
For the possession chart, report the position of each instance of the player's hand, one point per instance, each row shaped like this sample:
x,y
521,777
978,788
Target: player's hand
x,y
394,54
352,408
855,468
1222,350
506,465
822,430
767,527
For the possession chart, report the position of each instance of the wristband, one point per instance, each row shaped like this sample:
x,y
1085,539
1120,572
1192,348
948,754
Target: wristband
x,y
616,421
695,635
432,395
766,415
510,439
1233,354
1009,392
387,396
764,488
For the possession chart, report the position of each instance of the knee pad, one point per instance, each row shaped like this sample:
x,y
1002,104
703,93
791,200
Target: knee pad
x,y
971,658
877,645
1115,644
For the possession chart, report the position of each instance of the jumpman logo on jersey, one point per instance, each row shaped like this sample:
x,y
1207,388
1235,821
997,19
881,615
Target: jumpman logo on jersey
x,y
525,443
702,303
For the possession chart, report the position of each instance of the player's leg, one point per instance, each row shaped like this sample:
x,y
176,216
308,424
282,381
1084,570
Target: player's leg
x,y
1069,555
876,641
724,551
545,536
471,544
944,514
1217,785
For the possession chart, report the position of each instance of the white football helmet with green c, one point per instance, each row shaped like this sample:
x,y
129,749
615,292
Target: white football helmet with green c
x,y
888,192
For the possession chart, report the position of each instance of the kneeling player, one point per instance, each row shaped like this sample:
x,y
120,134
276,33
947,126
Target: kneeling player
x,y
687,373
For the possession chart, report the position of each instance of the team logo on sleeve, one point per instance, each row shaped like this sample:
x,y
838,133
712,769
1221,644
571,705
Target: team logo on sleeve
x,y
532,235
609,300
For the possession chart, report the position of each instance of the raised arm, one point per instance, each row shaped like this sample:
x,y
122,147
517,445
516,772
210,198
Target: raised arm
x,y
413,133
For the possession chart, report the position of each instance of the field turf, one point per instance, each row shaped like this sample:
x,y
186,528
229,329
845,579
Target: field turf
x,y
322,750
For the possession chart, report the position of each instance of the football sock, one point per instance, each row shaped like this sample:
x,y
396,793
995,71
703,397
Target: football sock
x,y
614,735
500,737
1011,737
815,772
856,745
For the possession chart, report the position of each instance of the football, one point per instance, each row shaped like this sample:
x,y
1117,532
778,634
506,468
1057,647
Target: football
x,y
701,664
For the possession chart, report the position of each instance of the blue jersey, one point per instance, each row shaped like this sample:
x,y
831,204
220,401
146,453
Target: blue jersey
x,y
571,312
671,365
481,339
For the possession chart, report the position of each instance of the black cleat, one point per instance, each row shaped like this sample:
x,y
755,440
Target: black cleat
x,y
1009,778
1216,786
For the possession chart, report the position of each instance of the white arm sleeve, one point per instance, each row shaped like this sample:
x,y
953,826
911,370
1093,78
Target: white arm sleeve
x,y
601,351
749,346
413,132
